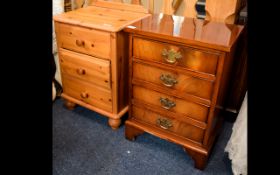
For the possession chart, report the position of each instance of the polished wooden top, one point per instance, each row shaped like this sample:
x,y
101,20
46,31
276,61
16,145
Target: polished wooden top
x,y
103,18
195,32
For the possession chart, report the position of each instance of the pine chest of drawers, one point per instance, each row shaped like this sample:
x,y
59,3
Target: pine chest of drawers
x,y
179,70
93,57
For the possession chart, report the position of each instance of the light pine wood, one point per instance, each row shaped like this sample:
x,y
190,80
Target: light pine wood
x,y
114,123
192,121
93,58
222,11
185,83
93,108
84,40
86,68
196,60
88,93
95,17
114,72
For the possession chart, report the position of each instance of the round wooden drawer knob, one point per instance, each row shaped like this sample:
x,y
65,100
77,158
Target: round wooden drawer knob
x,y
81,71
80,43
84,95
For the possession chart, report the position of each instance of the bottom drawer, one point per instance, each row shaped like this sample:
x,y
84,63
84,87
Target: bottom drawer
x,y
177,127
88,93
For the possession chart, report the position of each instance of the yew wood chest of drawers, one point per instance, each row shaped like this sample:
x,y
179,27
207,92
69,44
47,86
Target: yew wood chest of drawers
x,y
179,69
93,57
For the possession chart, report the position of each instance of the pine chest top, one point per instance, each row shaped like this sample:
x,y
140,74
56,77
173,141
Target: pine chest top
x,y
103,17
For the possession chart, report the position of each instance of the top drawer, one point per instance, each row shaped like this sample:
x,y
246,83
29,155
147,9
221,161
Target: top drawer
x,y
84,40
174,55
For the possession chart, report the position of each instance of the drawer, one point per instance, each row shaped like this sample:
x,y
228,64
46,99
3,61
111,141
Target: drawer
x,y
84,40
166,102
191,59
173,80
86,68
166,123
88,93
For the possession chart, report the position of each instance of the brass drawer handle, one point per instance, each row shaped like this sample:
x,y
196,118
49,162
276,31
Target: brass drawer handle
x,y
81,71
80,43
171,56
166,103
168,80
164,123
84,95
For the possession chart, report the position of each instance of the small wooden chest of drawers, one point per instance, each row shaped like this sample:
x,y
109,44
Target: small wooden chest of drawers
x,y
93,57
178,77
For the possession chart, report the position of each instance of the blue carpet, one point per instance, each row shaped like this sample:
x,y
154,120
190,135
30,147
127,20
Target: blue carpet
x,y
84,144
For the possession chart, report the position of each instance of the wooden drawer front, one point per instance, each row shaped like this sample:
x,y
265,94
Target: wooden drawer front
x,y
87,68
166,102
185,83
190,58
88,41
179,128
88,93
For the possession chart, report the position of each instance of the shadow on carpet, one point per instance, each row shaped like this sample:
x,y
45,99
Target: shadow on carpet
x,y
84,144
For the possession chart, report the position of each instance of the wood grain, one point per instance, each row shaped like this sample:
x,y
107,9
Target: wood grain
x,y
193,110
208,40
94,55
93,108
178,128
88,93
135,124
96,43
112,20
180,117
185,83
189,116
86,68
114,71
191,59
172,92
